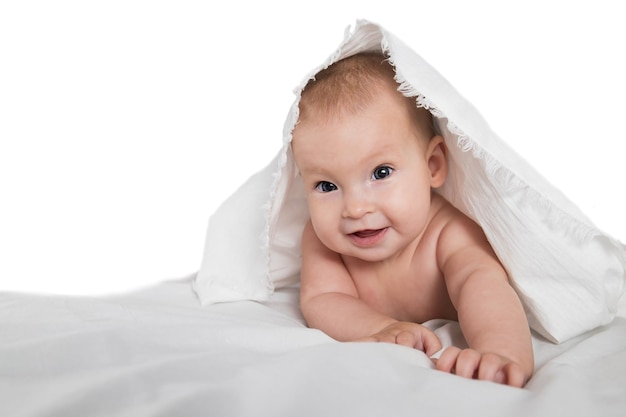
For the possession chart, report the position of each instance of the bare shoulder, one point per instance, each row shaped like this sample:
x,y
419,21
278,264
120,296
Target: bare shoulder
x,y
456,230
462,244
322,269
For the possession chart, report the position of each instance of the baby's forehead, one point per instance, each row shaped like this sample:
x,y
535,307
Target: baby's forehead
x,y
328,102
314,113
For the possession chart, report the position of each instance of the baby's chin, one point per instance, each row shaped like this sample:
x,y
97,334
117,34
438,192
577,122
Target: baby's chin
x,y
369,255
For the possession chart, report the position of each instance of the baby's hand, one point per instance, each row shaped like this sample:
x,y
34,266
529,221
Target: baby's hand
x,y
408,334
470,363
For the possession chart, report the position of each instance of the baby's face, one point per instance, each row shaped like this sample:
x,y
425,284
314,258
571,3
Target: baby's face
x,y
367,178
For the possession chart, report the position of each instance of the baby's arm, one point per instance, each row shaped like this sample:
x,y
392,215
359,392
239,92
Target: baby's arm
x,y
329,302
490,314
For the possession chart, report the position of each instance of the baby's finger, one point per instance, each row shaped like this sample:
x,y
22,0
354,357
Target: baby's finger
x,y
514,375
447,360
429,343
467,363
490,368
406,338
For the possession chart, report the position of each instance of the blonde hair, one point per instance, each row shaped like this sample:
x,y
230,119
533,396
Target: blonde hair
x,y
350,85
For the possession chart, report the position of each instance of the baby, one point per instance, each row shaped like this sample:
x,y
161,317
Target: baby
x,y
382,251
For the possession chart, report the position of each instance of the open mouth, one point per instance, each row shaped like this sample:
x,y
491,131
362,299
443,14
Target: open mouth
x,y
370,237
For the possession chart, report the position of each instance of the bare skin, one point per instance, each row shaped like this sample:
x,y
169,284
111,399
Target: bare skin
x,y
383,252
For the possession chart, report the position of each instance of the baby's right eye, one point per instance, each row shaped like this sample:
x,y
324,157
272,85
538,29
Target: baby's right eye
x,y
325,186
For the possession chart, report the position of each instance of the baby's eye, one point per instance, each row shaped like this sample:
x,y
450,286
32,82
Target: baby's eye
x,y
381,172
325,186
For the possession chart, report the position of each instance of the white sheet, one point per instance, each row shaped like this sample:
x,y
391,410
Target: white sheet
x,y
157,352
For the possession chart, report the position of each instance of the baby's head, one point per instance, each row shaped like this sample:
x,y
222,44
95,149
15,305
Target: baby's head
x,y
368,157
350,85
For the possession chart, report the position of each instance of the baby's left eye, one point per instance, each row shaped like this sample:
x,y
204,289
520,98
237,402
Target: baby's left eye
x,y
381,172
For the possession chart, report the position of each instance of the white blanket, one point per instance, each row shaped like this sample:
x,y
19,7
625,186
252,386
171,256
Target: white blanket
x,y
157,352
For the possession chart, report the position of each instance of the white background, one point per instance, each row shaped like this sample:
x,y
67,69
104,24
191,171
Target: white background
x,y
124,124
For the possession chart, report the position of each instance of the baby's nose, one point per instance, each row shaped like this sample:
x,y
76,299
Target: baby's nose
x,y
357,204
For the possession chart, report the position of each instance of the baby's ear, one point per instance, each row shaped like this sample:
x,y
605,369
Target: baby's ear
x,y
437,161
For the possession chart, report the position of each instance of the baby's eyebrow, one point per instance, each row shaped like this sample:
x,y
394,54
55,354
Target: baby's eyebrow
x,y
313,172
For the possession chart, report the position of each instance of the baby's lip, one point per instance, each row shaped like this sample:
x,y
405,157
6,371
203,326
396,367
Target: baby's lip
x,y
366,233
367,237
